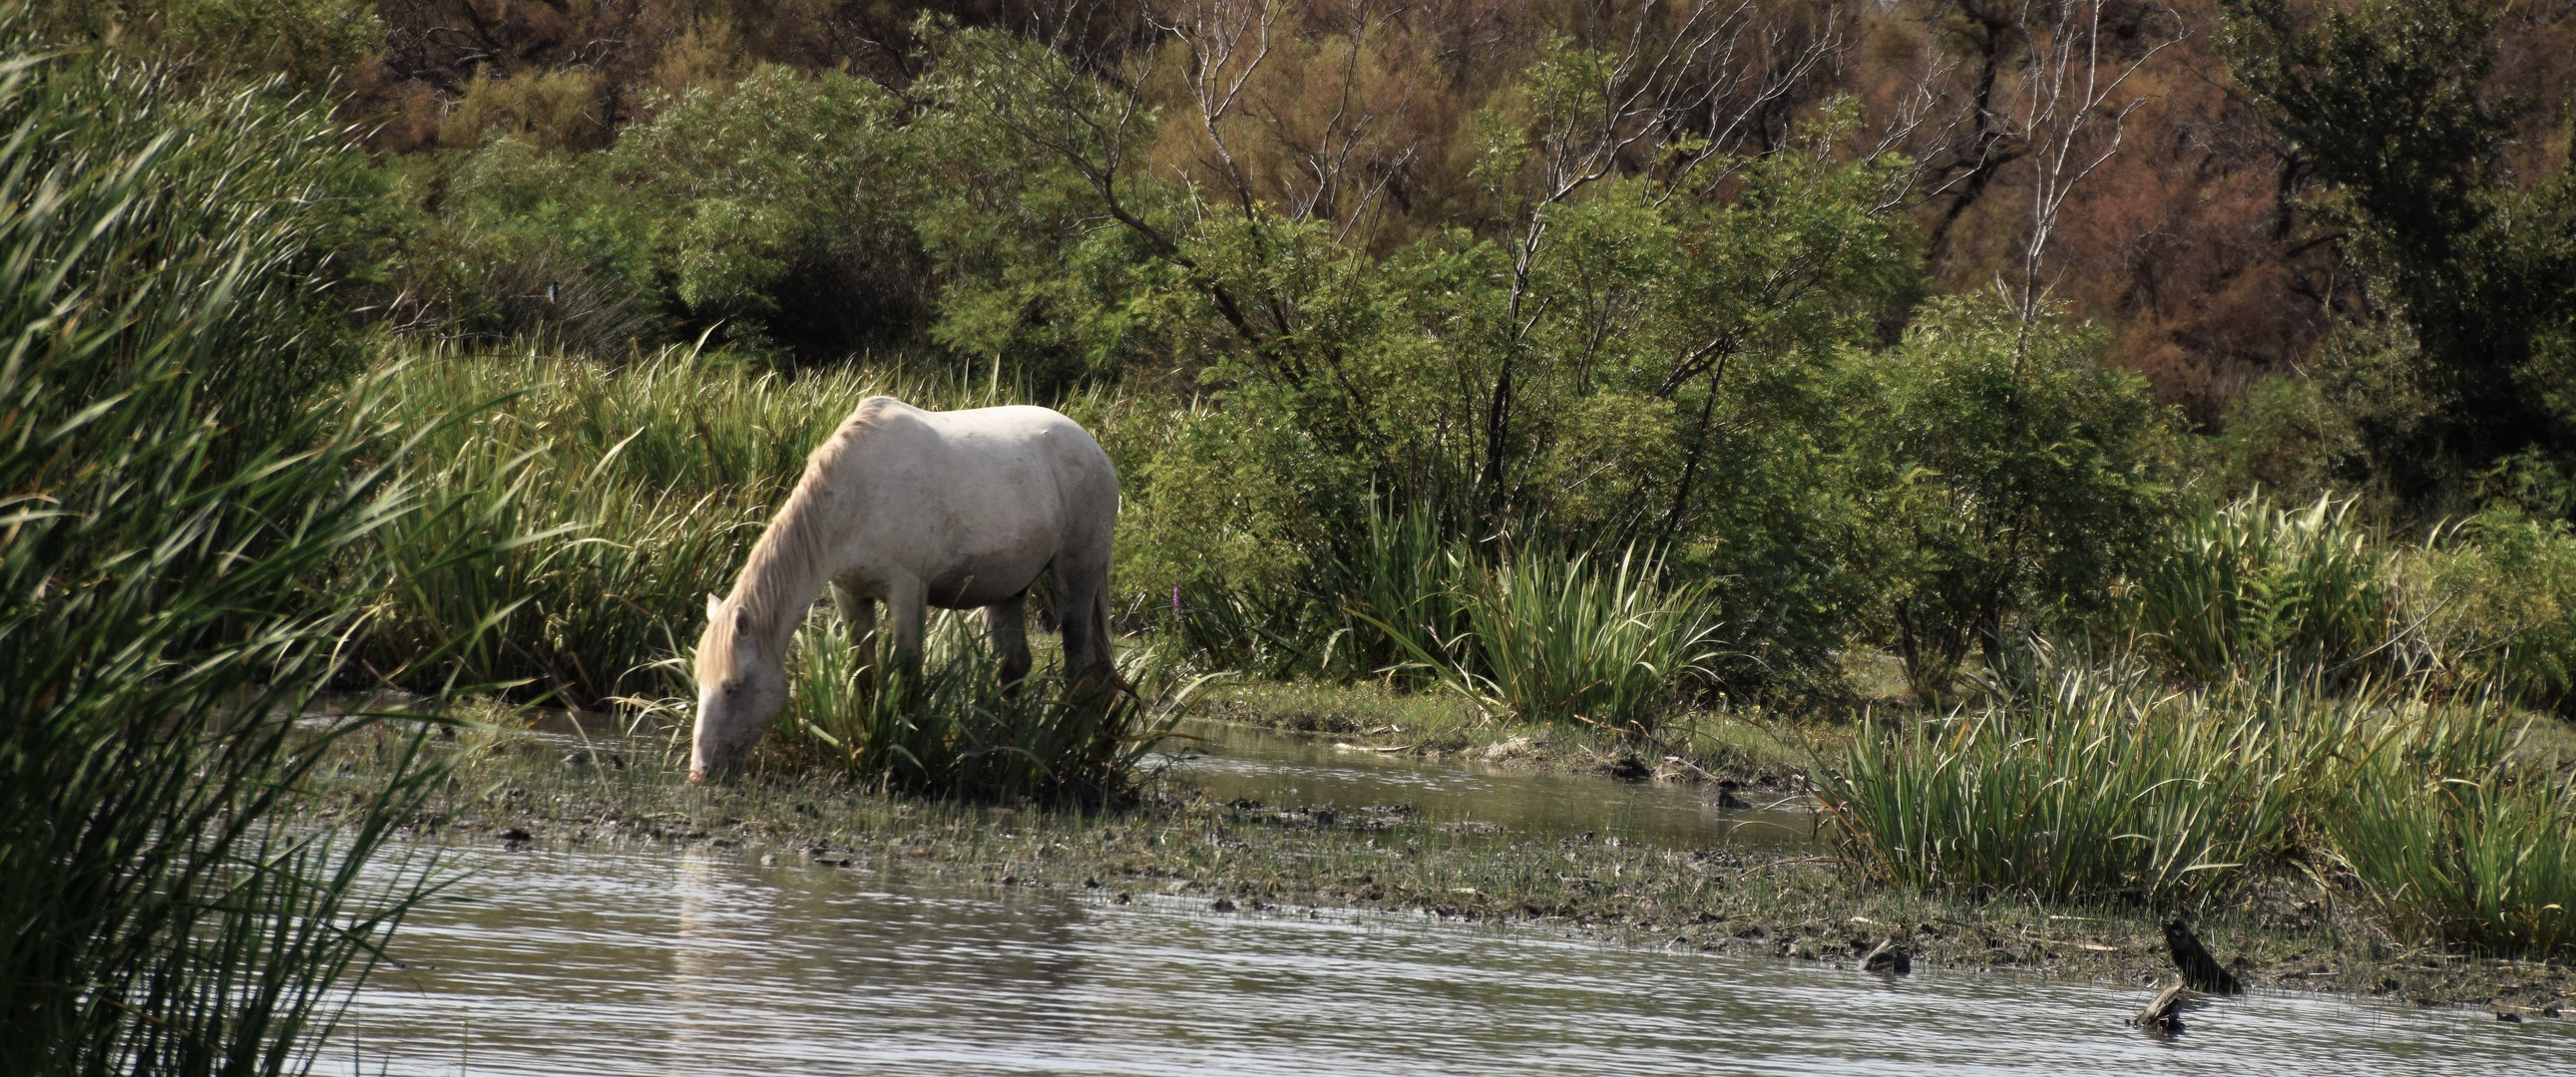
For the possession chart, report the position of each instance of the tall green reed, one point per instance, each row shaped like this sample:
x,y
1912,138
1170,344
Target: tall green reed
x,y
177,582
1562,639
2462,842
2076,780
957,732
1542,636
2095,780
2245,585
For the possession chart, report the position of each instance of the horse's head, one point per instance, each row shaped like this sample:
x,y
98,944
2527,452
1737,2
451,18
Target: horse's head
x,y
741,689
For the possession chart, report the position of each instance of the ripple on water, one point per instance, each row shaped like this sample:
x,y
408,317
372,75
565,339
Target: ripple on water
x,y
606,963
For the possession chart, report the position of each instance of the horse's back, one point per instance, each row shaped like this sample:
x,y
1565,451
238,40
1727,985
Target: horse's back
x,y
991,492
1004,446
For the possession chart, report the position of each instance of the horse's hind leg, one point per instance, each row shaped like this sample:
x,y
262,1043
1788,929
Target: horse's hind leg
x,y
1082,612
1006,623
859,615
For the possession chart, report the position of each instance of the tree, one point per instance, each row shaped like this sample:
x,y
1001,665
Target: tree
x,y
2006,471
2387,102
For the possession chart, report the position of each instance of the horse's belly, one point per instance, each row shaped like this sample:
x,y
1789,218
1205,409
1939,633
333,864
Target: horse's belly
x,y
977,582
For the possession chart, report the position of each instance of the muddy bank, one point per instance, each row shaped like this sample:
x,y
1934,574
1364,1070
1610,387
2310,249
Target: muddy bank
x,y
1751,750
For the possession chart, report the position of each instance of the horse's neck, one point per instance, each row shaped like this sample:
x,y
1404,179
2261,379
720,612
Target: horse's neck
x,y
784,574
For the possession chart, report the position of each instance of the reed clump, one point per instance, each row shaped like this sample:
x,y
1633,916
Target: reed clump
x,y
2248,584
957,730
1538,635
186,483
2463,839
2092,781
2096,780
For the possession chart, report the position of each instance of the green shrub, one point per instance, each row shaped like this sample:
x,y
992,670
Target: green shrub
x,y
1405,598
2245,586
2004,471
2500,598
774,213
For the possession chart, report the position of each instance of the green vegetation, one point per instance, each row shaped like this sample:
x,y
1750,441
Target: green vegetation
x,y
2246,585
1633,432
956,732
187,489
2389,101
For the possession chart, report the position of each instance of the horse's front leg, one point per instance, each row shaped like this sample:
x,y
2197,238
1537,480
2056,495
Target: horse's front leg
x,y
906,605
859,615
1006,623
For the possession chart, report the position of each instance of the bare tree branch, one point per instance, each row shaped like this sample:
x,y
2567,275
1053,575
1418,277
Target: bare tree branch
x,y
2067,94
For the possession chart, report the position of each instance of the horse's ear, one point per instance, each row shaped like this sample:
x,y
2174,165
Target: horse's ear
x,y
715,609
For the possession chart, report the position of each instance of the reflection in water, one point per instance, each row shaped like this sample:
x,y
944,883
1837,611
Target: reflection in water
x,y
1230,761
636,963
705,944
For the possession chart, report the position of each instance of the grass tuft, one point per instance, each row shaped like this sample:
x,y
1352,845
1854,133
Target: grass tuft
x,y
956,732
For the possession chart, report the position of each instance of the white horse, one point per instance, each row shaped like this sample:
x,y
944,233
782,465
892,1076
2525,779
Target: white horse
x,y
913,508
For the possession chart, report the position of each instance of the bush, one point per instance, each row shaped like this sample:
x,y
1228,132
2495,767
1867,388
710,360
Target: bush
x,y
2499,595
2081,781
2004,472
774,214
1563,640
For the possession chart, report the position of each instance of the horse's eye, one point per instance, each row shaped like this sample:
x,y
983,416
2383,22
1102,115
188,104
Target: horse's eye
x,y
731,686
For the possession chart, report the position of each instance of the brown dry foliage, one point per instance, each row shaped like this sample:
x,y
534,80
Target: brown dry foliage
x,y
2185,243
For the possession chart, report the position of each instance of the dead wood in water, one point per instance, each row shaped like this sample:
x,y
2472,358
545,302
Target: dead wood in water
x,y
2164,1012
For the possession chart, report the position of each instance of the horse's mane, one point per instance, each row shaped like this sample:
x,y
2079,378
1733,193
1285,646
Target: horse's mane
x,y
782,563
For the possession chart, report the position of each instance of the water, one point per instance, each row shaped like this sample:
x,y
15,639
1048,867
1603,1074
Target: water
x,y
620,962
611,963
1235,761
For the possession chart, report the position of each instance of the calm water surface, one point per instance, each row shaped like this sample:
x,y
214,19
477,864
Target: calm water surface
x,y
605,963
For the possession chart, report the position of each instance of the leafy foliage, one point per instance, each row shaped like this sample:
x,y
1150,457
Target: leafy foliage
x,y
2389,101
2500,596
2006,471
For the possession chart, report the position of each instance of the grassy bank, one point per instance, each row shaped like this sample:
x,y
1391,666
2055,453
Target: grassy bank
x,y
2288,929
